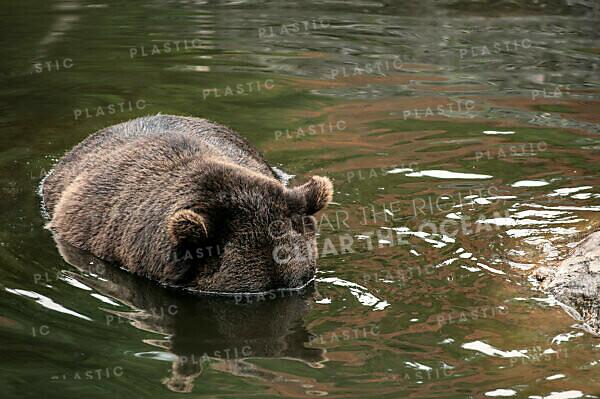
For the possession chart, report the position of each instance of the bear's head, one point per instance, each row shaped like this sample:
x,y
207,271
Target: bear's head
x,y
249,233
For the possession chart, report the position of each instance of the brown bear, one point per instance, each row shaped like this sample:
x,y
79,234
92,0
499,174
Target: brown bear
x,y
188,203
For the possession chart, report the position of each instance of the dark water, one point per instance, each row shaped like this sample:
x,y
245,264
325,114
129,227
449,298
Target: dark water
x,y
417,301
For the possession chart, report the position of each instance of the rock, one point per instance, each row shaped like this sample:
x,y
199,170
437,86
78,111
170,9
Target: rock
x,y
576,282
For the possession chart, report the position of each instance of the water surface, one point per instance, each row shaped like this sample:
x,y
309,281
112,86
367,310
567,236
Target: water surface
x,y
462,139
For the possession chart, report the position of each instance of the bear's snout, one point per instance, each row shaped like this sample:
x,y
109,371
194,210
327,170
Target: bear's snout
x,y
295,262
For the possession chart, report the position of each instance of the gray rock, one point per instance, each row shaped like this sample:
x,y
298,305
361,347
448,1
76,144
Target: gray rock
x,y
575,282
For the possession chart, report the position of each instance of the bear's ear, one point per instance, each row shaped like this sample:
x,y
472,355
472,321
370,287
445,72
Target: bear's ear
x,y
186,225
317,192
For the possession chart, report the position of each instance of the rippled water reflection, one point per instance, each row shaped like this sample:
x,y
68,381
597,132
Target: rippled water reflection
x,y
462,138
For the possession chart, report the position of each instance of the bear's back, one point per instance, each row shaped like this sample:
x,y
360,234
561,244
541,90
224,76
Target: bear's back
x,y
181,136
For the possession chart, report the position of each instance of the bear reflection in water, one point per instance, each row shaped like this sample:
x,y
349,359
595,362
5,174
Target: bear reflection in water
x,y
222,331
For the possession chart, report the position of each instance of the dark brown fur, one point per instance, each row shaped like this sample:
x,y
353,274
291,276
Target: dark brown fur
x,y
185,202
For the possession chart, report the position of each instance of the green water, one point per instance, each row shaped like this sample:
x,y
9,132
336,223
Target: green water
x,y
374,94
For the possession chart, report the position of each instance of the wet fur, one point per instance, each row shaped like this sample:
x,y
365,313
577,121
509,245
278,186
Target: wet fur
x,y
149,192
